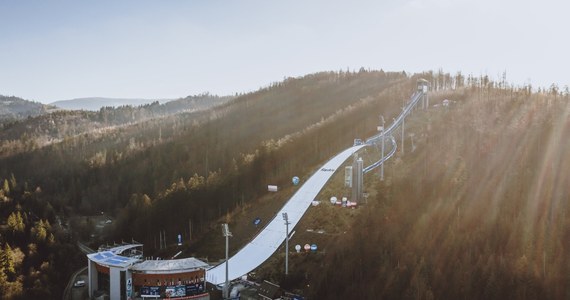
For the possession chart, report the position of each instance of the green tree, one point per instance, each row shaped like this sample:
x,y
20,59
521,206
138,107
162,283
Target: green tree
x,y
6,187
3,276
16,222
13,182
39,231
7,260
51,239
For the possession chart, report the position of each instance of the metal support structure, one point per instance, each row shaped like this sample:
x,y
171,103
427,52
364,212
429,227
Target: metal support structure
x,y
286,219
227,234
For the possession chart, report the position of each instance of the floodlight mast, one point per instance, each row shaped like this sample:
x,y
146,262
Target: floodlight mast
x,y
286,219
226,232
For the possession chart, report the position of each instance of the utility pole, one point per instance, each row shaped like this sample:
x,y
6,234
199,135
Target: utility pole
x,y
226,232
286,219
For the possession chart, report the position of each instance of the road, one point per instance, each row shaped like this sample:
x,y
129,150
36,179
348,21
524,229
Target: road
x,y
272,236
85,249
70,293
75,293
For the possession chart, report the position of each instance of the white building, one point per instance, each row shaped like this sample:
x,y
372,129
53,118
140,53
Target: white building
x,y
123,274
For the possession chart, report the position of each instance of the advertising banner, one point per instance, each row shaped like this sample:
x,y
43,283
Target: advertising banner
x,y
129,287
150,291
175,291
194,289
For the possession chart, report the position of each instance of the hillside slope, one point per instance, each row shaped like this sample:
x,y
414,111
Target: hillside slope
x,y
226,133
204,199
96,103
183,173
478,211
110,169
14,108
32,133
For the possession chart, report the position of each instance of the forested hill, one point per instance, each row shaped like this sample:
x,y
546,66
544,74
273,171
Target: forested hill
x,y
33,133
96,103
171,105
479,210
180,171
261,138
14,108
232,142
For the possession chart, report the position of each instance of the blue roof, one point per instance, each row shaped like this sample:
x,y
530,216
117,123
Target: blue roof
x,y
109,258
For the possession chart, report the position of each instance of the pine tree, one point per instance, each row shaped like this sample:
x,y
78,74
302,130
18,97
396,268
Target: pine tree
x,y
7,261
39,231
3,276
6,187
13,182
16,222
51,239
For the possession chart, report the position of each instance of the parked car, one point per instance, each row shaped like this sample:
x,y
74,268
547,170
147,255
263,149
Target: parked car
x,y
79,283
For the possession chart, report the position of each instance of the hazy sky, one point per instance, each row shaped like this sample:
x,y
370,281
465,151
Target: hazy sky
x,y
55,50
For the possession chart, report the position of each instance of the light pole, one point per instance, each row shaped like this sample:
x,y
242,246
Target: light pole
x,y
382,165
286,219
403,126
227,234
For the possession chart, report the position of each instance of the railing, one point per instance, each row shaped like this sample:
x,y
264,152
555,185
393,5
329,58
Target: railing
x,y
386,157
414,99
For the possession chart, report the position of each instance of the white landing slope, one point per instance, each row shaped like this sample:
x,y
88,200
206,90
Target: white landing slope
x,y
268,240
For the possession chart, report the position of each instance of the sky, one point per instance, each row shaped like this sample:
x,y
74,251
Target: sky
x,y
58,50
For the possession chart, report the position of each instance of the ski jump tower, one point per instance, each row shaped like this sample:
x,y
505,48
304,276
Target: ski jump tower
x,y
423,86
357,178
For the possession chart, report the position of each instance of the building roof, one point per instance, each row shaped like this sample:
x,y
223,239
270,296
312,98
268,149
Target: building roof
x,y
109,258
122,248
169,266
112,258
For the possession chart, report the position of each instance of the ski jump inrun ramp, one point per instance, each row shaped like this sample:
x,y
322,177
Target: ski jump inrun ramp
x,y
270,238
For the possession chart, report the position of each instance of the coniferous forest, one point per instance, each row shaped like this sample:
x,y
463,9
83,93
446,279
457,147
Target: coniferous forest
x,y
476,210
191,166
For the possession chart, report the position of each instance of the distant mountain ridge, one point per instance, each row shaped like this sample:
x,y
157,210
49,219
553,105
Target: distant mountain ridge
x,y
96,103
13,108
57,124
